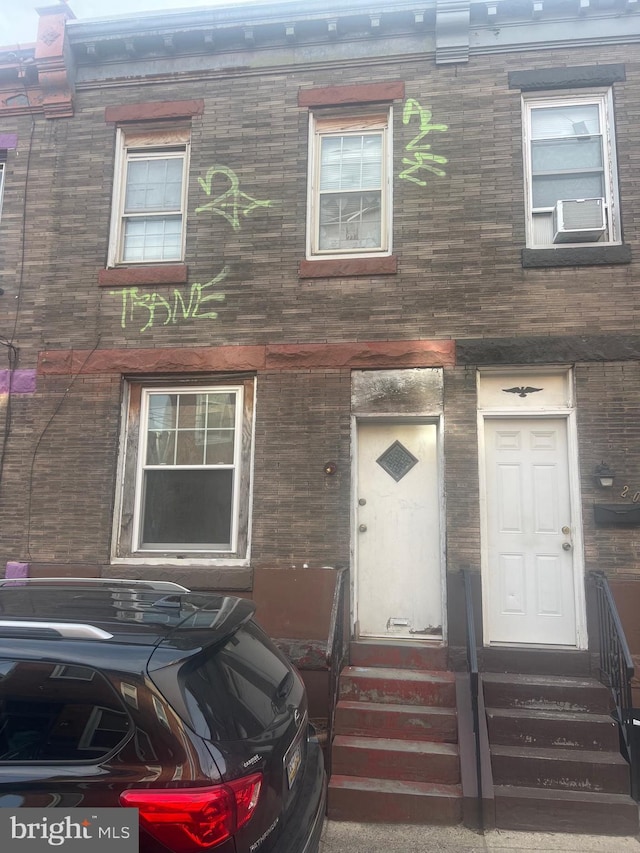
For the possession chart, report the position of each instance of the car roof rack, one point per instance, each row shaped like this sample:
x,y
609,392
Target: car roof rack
x,y
73,630
160,586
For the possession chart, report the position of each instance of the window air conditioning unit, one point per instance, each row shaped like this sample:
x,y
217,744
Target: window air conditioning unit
x,y
579,220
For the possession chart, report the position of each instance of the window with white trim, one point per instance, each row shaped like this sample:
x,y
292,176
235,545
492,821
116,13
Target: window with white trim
x,y
349,195
185,472
149,196
571,173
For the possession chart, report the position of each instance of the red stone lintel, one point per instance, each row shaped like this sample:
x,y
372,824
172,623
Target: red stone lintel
x,y
365,354
159,360
154,110
173,360
142,275
364,93
348,267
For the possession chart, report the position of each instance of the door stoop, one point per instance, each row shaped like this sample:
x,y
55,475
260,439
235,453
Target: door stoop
x,y
555,753
538,661
395,755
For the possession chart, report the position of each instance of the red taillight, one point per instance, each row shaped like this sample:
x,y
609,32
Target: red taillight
x,y
188,820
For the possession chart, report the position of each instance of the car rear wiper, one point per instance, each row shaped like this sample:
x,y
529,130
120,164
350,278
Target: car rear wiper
x,y
284,687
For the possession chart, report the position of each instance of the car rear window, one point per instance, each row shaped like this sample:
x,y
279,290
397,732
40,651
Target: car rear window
x,y
57,712
236,690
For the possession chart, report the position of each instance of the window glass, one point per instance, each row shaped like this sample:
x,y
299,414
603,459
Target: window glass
x,y
190,509
570,156
188,482
42,720
350,184
550,189
185,471
148,203
567,159
152,239
237,690
153,185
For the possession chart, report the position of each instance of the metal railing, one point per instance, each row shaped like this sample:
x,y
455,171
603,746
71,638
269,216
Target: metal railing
x,y
337,645
616,670
472,666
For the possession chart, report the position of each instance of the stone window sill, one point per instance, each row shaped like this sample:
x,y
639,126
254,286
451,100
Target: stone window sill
x,y
576,256
346,267
143,275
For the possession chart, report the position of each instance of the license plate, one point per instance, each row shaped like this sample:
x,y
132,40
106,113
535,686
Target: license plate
x,y
293,763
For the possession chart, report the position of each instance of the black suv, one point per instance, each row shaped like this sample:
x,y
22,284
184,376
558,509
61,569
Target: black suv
x,y
150,696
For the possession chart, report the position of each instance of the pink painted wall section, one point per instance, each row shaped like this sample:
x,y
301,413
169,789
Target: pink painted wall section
x,y
20,382
17,570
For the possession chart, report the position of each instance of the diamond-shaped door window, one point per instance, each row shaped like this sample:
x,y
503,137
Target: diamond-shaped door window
x,y
397,461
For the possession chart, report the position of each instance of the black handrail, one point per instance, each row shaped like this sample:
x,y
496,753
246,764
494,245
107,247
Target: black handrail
x,y
472,666
337,642
616,668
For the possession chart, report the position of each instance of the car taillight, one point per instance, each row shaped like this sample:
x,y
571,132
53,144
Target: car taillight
x,y
188,820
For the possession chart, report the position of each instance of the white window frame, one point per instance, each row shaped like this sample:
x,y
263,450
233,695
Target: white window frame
x,y
604,101
139,145
323,124
127,546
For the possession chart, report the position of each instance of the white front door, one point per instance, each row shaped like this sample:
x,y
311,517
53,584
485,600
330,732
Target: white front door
x,y
398,583
529,583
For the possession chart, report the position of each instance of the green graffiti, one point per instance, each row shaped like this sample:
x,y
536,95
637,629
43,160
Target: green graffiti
x,y
232,202
422,157
194,302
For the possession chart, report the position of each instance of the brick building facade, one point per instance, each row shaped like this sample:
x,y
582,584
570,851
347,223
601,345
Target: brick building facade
x,y
413,356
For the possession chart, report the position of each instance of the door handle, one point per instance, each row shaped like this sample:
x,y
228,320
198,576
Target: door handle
x,y
566,546
362,528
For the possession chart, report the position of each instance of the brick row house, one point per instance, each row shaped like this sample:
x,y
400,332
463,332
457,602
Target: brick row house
x,y
323,304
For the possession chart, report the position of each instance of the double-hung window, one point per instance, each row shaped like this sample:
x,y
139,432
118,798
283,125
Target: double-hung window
x,y
350,186
185,472
571,171
149,203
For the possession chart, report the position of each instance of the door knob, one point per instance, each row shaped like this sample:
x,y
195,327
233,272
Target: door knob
x,y
566,546
362,528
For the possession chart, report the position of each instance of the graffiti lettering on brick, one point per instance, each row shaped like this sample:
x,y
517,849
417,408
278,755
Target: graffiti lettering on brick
x,y
422,158
189,302
232,203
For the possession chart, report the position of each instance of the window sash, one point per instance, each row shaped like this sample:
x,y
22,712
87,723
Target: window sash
x,y
349,186
583,127
187,500
149,213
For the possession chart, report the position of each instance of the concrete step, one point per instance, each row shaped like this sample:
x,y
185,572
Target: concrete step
x,y
545,693
392,801
406,655
564,729
407,722
570,769
550,810
398,686
569,663
387,758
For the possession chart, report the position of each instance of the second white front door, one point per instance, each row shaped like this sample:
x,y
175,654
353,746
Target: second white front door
x,y
397,519
530,572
